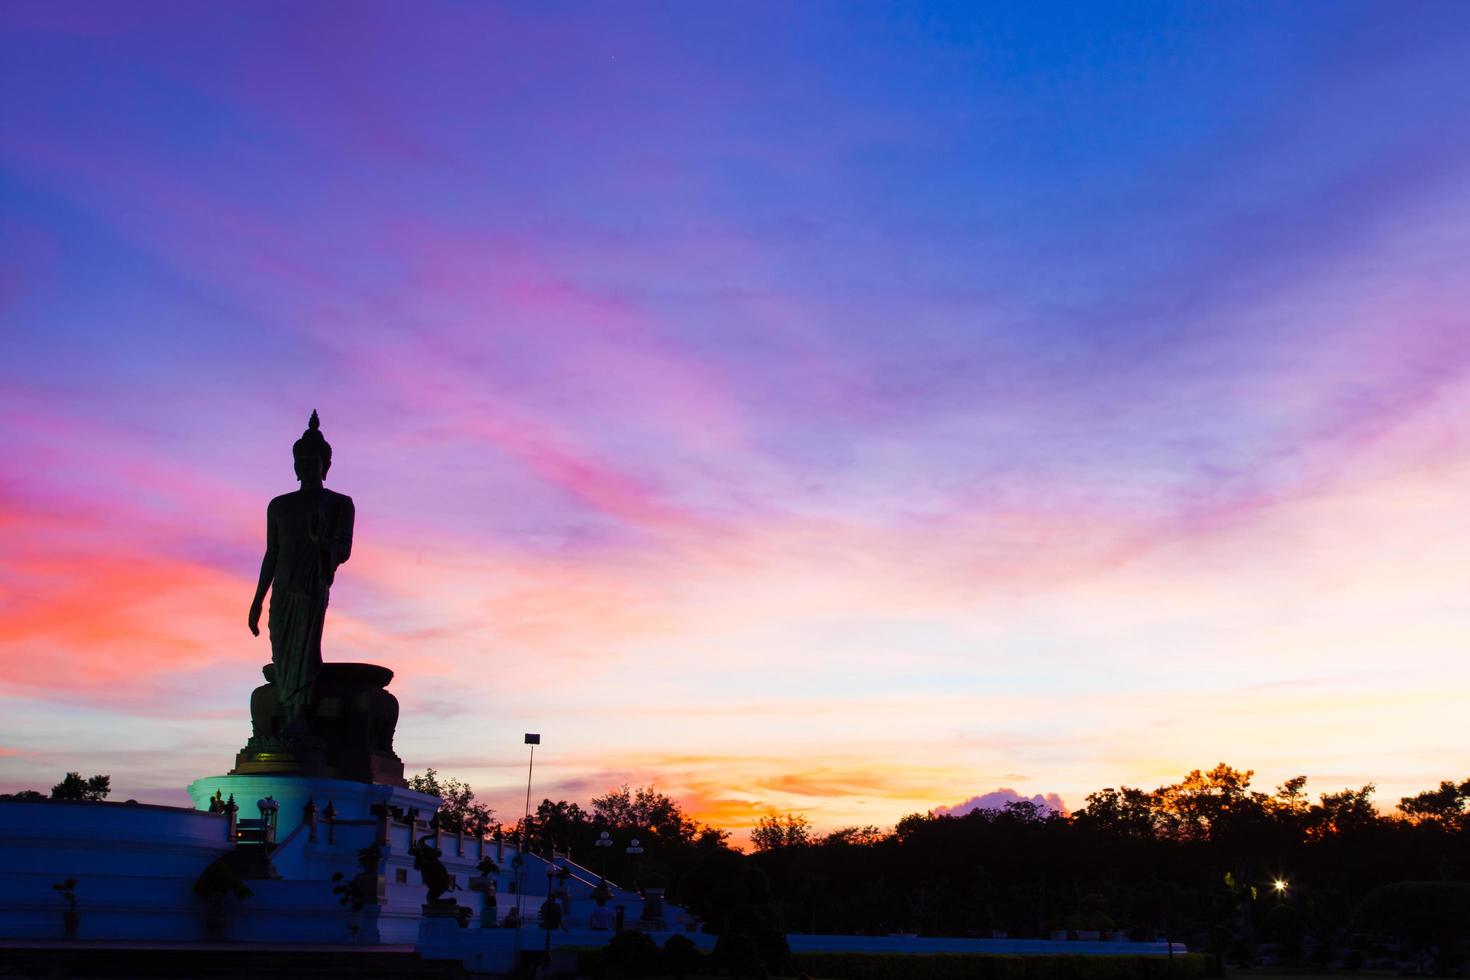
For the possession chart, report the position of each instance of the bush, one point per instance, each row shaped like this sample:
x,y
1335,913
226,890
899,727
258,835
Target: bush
x,y
740,955
984,966
1189,965
753,947
219,880
591,962
631,955
680,956
1423,912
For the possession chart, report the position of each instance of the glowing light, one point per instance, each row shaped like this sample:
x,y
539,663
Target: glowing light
x,y
1280,885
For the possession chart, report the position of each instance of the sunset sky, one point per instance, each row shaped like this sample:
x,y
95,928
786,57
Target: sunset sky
x,y
838,408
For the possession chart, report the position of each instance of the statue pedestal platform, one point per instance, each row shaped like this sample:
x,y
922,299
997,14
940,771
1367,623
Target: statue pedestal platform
x,y
280,754
350,722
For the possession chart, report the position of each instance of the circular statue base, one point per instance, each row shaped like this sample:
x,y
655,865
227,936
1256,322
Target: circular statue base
x,y
349,725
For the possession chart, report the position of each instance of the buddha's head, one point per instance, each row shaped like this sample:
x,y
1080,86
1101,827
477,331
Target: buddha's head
x,y
312,453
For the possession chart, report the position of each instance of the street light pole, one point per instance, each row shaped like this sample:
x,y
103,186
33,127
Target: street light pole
x,y
533,740
634,851
546,914
604,841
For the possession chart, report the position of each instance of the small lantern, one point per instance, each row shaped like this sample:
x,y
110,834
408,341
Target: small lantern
x,y
268,808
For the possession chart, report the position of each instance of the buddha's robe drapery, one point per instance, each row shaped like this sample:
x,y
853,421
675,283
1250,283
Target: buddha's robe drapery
x,y
310,534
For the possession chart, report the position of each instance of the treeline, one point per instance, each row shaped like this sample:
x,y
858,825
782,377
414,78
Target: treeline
x,y
72,788
1207,860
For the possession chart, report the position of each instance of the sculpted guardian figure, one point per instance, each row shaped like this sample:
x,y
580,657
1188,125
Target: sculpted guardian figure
x,y
308,533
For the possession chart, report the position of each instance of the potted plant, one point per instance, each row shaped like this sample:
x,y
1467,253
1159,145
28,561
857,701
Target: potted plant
x,y
487,885
70,918
349,893
214,884
359,890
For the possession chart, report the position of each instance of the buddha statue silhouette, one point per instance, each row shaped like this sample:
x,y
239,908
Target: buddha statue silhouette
x,y
308,533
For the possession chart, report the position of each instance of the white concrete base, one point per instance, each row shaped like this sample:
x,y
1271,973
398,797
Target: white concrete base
x,y
438,931
134,866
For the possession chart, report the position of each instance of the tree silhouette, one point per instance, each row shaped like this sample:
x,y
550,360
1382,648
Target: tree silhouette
x,y
458,811
74,787
775,831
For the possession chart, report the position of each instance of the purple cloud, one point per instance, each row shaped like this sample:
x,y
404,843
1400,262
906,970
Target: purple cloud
x,y
999,799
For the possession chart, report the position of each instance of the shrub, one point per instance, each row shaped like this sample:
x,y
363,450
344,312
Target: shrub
x,y
753,947
219,880
740,954
591,962
680,956
631,955
1113,967
1424,912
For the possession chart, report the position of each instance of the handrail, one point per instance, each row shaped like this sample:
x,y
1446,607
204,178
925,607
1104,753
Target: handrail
x,y
589,878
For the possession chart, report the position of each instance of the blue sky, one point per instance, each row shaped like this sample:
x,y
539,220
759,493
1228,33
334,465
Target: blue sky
x,y
751,399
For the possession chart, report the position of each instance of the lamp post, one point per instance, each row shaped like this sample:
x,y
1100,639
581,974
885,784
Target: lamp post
x,y
546,916
604,841
532,739
551,917
633,852
602,893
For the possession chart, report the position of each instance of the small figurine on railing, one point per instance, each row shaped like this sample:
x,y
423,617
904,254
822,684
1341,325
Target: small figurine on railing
x,y
486,884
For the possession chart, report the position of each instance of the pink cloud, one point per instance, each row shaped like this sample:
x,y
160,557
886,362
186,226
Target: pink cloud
x,y
99,623
999,799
